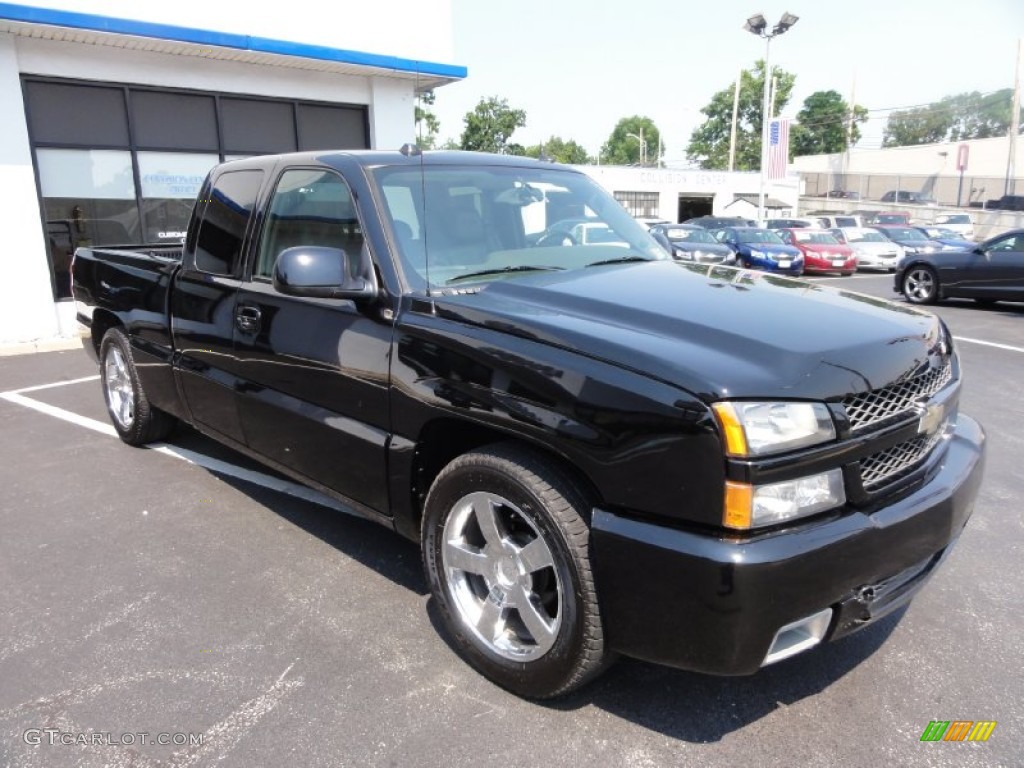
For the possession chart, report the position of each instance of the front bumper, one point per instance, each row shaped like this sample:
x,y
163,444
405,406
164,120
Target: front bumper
x,y
714,604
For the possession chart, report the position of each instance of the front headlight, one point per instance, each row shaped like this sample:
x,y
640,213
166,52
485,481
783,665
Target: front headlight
x,y
760,428
752,506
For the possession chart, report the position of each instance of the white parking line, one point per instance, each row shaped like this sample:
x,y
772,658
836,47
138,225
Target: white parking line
x,y
184,454
1010,347
38,387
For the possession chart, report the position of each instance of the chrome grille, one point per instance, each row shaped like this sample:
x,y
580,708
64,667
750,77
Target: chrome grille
x,y
893,463
875,406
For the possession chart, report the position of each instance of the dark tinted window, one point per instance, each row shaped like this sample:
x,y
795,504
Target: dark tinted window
x,y
331,127
259,127
310,207
81,115
226,215
178,120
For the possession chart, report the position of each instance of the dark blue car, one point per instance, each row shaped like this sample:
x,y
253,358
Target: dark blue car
x,y
762,249
949,238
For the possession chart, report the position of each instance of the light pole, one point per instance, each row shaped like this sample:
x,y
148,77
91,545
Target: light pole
x,y
757,25
643,145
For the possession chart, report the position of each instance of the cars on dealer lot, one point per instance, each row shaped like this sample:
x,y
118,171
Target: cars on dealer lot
x,y
759,248
987,272
598,449
911,239
717,222
822,252
905,196
827,220
950,240
688,243
873,249
889,217
961,223
790,223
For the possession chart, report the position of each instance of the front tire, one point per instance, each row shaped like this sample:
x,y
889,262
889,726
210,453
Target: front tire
x,y
506,554
921,285
136,421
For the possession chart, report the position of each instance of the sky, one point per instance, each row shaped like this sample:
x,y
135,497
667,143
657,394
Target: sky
x,y
577,67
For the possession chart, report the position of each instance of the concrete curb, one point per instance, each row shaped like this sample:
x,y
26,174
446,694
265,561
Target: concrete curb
x,y
59,344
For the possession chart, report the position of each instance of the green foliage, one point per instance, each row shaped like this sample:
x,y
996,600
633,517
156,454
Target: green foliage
x,y
953,118
624,149
490,125
427,124
822,124
560,150
709,143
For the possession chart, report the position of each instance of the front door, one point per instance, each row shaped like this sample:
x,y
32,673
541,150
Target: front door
x,y
314,395
998,273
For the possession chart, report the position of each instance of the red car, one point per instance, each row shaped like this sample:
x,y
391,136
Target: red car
x,y
822,252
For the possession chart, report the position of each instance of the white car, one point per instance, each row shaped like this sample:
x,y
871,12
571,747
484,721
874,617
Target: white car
x,y
873,249
961,223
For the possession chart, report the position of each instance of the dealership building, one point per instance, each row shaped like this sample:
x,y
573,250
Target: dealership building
x,y
114,111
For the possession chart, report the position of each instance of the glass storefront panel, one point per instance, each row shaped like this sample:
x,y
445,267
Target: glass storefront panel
x,y
170,182
88,199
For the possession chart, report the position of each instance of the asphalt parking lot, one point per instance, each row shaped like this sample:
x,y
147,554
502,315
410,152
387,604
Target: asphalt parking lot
x,y
184,591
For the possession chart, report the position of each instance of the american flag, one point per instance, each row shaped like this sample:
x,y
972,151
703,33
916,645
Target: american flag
x,y
778,147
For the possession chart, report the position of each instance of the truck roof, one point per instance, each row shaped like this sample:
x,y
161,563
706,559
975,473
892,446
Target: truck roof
x,y
375,157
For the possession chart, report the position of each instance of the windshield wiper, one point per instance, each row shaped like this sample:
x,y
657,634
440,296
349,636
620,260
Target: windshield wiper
x,y
503,270
619,260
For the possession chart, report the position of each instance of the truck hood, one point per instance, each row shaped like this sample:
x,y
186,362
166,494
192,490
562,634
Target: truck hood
x,y
715,331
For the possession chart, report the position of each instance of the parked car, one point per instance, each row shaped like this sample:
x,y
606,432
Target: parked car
x,y
597,450
717,222
762,249
844,194
873,249
961,223
791,222
905,196
828,220
649,221
689,243
988,272
889,217
950,240
822,252
911,239
1007,203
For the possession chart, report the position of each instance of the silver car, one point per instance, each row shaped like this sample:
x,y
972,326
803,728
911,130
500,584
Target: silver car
x,y
873,249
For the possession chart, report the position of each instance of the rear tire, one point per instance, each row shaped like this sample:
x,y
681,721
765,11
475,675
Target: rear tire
x,y
921,284
506,554
135,420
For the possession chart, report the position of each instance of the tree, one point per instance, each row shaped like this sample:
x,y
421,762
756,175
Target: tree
x,y
490,125
709,143
962,116
427,124
823,123
560,150
623,146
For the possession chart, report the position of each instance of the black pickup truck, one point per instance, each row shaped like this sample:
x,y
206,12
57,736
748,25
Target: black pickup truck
x,y
601,450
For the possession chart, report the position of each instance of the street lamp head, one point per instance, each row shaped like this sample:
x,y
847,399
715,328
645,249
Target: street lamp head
x,y
756,25
787,21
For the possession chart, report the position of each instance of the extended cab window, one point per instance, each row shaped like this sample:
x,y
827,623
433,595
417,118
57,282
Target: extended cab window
x,y
225,218
310,207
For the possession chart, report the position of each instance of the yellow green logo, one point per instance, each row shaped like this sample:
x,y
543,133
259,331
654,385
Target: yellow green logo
x,y
958,730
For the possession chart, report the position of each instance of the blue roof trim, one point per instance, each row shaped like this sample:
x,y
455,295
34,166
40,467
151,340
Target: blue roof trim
x,y
96,23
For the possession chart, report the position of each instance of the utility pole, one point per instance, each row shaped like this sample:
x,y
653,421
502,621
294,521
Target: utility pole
x,y
735,113
849,133
1011,172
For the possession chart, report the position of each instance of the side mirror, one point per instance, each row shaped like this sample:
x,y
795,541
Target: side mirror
x,y
978,249
319,272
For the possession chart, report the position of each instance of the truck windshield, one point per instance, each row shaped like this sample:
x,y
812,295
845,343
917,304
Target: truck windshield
x,y
475,223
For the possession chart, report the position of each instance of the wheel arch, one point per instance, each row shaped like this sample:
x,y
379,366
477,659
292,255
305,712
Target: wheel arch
x,y
443,439
102,321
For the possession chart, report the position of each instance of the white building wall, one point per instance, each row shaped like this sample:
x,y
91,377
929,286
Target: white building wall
x,y
392,114
26,300
720,186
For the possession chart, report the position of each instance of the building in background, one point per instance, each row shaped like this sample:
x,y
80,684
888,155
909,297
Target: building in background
x,y
114,111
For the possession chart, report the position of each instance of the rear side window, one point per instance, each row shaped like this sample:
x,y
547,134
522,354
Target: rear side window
x,y
226,216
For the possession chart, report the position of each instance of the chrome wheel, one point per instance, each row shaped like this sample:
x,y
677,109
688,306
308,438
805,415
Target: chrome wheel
x,y
118,383
920,285
501,577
